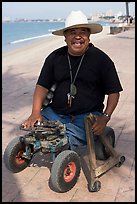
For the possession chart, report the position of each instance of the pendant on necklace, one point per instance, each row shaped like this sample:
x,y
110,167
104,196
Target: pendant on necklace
x,y
73,89
71,95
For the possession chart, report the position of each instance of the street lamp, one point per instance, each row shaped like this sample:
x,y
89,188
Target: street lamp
x,y
127,11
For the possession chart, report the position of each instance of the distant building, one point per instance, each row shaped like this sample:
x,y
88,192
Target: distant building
x,y
6,19
109,13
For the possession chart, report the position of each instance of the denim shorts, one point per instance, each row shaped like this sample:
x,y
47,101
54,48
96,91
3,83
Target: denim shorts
x,y
75,126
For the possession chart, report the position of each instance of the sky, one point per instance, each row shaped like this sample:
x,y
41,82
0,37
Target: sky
x,y
51,10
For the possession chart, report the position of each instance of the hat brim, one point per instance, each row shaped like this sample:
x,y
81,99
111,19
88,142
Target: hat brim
x,y
94,28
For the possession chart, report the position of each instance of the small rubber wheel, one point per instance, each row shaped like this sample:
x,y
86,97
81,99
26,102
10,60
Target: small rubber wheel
x,y
13,156
100,150
96,187
122,159
65,171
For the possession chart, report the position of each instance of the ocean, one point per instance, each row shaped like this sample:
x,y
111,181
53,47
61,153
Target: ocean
x,y
18,34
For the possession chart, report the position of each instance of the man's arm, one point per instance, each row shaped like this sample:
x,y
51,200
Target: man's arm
x,y
101,121
112,102
38,99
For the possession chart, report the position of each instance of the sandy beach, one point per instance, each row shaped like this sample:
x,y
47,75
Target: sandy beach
x,y
41,48
20,69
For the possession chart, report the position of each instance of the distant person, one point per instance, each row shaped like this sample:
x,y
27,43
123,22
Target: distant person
x,y
131,19
83,75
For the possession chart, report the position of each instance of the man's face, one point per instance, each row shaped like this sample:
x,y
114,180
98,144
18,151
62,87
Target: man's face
x,y
77,40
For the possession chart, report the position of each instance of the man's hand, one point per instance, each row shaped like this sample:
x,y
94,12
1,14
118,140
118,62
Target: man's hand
x,y
100,124
33,118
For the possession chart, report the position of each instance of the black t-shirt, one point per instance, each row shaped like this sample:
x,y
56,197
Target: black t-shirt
x,y
96,78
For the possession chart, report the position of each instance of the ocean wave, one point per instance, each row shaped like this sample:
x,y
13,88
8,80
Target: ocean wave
x,y
32,38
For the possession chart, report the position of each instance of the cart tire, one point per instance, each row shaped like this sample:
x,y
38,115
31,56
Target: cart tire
x,y
121,161
101,152
65,171
96,187
12,156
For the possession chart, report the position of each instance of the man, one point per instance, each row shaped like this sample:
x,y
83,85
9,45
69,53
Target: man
x,y
83,75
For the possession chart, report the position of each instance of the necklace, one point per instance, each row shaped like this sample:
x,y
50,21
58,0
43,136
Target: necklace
x,y
73,89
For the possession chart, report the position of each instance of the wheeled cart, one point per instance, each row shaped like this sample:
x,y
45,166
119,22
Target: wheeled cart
x,y
49,137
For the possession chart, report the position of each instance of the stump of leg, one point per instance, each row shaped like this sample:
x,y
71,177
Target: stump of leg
x,y
115,158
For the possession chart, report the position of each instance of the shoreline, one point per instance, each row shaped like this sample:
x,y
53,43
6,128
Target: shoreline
x,y
37,42
34,53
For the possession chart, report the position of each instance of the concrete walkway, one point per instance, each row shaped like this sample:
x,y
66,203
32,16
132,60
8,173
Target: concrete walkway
x,y
32,184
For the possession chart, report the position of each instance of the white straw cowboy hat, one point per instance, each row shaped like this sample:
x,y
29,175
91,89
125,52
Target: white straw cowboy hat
x,y
77,19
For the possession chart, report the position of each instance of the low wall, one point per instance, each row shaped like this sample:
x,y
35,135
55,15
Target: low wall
x,y
115,29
